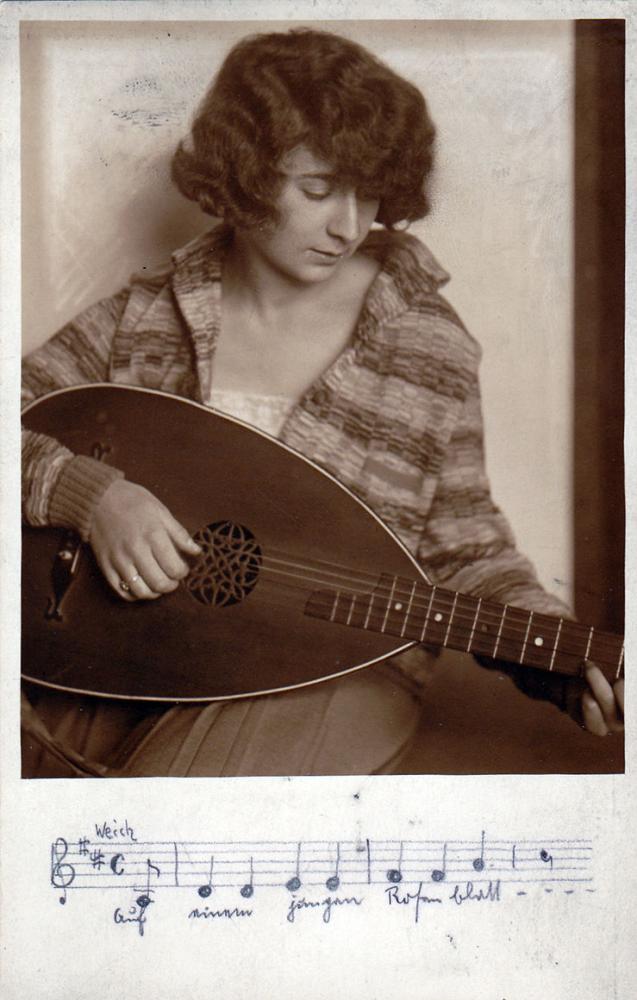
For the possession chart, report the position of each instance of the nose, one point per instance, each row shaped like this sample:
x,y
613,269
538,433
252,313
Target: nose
x,y
344,222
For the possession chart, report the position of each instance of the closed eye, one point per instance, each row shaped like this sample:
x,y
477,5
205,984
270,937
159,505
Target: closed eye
x,y
315,195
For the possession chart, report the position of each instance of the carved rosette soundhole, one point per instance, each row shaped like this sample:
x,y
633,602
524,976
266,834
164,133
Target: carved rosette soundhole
x,y
228,568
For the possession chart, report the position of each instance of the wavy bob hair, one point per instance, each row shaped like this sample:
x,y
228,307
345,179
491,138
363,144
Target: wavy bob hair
x,y
275,92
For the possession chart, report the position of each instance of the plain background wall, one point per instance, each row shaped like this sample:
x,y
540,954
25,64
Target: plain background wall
x,y
104,104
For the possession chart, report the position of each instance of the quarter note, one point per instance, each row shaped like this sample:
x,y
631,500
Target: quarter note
x,y
248,889
395,874
333,882
478,863
546,858
206,889
440,874
294,883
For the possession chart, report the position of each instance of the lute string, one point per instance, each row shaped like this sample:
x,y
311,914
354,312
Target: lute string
x,y
490,612
462,635
606,652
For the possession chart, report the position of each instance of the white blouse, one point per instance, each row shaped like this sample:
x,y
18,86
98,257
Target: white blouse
x,y
268,413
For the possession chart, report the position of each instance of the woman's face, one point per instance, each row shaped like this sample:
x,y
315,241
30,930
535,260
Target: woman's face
x,y
321,225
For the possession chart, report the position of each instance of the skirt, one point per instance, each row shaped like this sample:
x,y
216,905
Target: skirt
x,y
362,723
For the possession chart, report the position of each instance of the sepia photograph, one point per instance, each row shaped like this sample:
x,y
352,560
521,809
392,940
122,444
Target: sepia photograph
x,y
322,397
316,489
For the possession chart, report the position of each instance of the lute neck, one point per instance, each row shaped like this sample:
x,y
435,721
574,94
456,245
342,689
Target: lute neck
x,y
416,611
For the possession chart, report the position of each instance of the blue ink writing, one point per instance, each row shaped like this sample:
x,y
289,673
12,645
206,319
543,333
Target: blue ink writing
x,y
491,893
197,914
328,904
106,832
62,874
394,895
136,914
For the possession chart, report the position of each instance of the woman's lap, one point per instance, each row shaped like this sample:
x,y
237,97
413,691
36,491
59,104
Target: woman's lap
x,y
358,724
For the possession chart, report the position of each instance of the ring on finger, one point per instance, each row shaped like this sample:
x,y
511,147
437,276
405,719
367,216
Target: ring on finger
x,y
126,585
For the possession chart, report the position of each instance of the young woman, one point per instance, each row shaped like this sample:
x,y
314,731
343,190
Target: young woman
x,y
309,312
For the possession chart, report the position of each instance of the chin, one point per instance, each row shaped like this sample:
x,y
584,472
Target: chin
x,y
311,275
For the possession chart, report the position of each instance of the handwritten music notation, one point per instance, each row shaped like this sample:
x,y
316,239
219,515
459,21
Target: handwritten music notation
x,y
463,869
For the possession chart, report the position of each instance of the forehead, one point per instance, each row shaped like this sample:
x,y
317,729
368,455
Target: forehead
x,y
302,162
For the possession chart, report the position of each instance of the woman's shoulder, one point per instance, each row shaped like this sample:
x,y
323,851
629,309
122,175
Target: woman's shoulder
x,y
201,254
406,295
407,259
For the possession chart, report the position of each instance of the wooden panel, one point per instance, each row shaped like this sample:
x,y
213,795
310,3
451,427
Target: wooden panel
x,y
599,323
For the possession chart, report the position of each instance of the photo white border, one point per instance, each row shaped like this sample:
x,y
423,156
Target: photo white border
x,y
36,960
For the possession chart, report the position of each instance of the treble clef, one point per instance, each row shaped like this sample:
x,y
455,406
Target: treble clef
x,y
62,873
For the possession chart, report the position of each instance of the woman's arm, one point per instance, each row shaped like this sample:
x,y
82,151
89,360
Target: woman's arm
x,y
59,488
135,538
467,545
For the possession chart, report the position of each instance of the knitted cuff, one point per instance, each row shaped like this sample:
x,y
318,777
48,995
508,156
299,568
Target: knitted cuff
x,y
79,489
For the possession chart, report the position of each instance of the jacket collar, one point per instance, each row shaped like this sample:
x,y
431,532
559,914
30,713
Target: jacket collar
x,y
196,283
408,273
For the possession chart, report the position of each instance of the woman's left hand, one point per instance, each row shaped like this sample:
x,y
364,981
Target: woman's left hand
x,y
602,704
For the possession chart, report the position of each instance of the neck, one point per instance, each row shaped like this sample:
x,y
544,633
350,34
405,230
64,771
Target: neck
x,y
249,278
417,611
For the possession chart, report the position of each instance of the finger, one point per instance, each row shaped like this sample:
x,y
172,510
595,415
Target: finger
x,y
618,688
115,580
181,538
132,575
152,576
605,697
168,558
140,589
593,718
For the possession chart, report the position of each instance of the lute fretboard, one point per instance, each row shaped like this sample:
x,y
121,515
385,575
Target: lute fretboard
x,y
414,610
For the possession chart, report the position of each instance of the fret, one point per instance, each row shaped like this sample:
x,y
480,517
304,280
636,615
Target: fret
x,y
369,610
408,611
473,624
334,606
453,608
588,644
352,604
540,643
499,636
389,603
526,637
514,625
607,652
557,639
424,628
620,662
358,610
505,632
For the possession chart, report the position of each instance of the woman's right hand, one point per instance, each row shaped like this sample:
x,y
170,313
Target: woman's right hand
x,y
137,542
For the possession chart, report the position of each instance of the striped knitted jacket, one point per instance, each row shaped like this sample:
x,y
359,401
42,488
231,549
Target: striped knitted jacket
x,y
396,417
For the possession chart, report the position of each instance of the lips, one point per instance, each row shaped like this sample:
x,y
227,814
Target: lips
x,y
329,254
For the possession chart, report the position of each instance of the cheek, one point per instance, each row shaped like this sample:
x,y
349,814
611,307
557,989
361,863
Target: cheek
x,y
367,214
373,210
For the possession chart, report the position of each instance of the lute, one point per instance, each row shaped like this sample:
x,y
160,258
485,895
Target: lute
x,y
299,580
